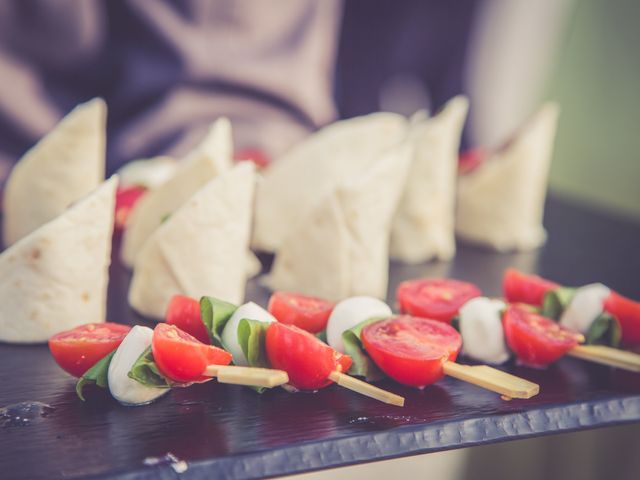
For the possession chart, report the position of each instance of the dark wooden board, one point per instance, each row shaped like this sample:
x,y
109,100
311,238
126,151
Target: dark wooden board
x,y
231,432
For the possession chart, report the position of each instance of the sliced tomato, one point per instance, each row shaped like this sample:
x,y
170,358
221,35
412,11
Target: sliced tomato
x,y
411,350
627,312
307,360
471,159
184,313
536,340
181,357
305,312
435,298
519,287
79,349
126,198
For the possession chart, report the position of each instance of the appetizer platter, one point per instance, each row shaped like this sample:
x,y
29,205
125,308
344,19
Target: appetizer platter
x,y
163,353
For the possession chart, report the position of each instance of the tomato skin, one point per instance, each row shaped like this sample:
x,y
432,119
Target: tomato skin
x,y
411,350
126,198
79,349
435,298
471,159
181,357
537,341
307,360
519,287
627,312
303,311
184,313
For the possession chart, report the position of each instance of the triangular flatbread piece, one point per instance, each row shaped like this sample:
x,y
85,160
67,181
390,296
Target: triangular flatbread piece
x,y
342,248
55,278
200,249
293,184
212,157
64,166
501,203
423,227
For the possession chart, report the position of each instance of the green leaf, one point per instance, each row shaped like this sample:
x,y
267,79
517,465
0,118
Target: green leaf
x,y
556,301
605,330
251,337
362,365
96,375
146,372
215,315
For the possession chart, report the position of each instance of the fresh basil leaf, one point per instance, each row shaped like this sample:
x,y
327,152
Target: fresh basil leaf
x,y
605,330
556,301
362,365
322,336
251,337
146,372
96,375
215,315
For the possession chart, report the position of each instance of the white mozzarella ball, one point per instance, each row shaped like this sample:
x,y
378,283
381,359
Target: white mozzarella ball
x,y
250,311
350,312
124,389
149,173
481,330
585,306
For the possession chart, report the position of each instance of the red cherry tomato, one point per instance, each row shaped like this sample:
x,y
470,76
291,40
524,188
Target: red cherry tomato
x,y
79,349
254,155
471,159
519,287
627,312
436,298
411,350
181,357
305,312
126,198
307,360
536,340
184,313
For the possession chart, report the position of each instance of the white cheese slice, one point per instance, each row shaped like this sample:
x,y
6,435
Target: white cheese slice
x,y
64,166
350,312
201,249
423,227
209,159
56,277
124,389
250,311
586,305
501,203
310,171
341,249
481,330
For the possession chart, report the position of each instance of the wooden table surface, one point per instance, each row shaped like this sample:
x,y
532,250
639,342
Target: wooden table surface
x,y
225,431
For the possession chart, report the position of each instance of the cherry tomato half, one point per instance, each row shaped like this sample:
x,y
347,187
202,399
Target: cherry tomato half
x,y
181,357
79,349
627,312
519,287
411,350
305,312
435,298
307,360
536,340
184,313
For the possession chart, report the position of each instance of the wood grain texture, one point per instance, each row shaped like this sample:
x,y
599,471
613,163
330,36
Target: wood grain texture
x,y
228,431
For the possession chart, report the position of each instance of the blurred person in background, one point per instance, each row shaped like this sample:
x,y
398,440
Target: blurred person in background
x,y
279,70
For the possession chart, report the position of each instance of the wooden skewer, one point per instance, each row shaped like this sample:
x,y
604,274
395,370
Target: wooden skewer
x,y
612,357
251,376
366,389
507,385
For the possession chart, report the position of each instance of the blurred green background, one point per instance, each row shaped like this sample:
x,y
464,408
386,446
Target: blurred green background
x,y
597,83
